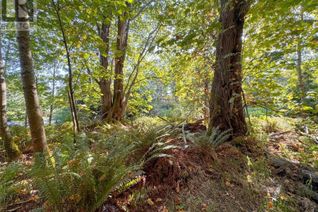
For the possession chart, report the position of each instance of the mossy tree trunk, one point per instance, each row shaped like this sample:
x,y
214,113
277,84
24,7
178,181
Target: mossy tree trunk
x,y
11,148
226,106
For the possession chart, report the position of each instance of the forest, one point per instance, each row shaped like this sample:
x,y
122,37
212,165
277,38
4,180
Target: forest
x,y
159,105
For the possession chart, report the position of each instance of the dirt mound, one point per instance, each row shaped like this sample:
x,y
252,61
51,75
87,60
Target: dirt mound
x,y
173,172
195,127
195,179
240,175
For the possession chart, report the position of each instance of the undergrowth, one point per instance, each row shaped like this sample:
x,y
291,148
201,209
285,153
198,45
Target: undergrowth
x,y
81,178
86,173
110,159
212,141
9,188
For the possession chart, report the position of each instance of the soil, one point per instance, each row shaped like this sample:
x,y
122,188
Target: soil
x,y
202,179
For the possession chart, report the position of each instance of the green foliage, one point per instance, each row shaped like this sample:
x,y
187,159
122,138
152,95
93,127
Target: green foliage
x,y
146,121
258,111
157,151
215,139
62,115
270,124
273,43
86,173
81,178
9,188
259,170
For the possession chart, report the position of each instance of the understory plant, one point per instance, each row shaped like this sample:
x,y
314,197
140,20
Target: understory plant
x,y
9,188
214,140
86,173
81,178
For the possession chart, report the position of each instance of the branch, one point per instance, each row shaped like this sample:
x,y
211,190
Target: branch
x,y
134,74
148,78
89,72
141,10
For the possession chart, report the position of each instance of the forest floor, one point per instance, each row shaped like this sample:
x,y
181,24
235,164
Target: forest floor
x,y
275,171
243,175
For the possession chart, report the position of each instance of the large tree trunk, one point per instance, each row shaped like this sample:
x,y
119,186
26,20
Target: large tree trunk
x,y
29,86
226,107
118,108
11,148
105,82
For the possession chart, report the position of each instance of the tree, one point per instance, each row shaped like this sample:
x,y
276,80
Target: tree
x,y
279,57
226,107
114,104
71,97
11,148
32,103
105,82
117,112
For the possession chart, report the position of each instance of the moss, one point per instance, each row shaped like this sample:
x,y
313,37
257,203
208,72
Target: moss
x,y
12,150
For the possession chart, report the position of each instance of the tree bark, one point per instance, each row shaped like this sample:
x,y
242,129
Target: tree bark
x,y
11,148
226,107
33,109
122,42
105,82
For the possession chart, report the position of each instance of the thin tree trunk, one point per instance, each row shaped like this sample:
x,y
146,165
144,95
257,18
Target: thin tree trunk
x,y
226,107
122,41
52,95
300,73
135,72
206,100
71,97
105,82
301,85
11,148
29,86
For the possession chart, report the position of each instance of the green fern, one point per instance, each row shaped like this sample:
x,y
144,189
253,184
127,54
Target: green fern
x,y
8,185
216,138
85,174
82,178
157,150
